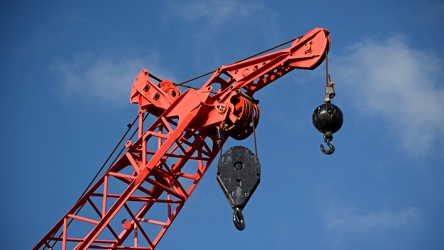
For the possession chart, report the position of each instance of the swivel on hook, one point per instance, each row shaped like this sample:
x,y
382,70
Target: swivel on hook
x,y
327,117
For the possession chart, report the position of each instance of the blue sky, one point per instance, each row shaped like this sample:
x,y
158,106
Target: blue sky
x,y
66,74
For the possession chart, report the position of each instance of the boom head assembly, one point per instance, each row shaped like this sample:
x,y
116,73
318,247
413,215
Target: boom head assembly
x,y
160,168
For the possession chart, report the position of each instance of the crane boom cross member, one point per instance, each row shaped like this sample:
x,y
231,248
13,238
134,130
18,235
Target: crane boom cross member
x,y
150,183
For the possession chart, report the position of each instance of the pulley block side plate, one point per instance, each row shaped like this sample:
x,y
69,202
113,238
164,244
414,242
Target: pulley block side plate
x,y
238,174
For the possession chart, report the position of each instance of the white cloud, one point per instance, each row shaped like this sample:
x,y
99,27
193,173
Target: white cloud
x,y
221,32
216,13
402,86
349,221
345,222
106,78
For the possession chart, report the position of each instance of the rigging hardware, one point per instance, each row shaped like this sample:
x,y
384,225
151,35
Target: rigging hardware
x,y
327,117
162,167
238,174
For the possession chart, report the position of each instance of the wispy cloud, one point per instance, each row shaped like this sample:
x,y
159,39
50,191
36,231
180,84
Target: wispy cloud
x,y
344,221
350,219
402,86
106,78
221,32
217,13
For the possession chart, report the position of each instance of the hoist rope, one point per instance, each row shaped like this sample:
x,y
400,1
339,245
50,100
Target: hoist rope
x,y
254,138
182,84
103,166
114,150
327,75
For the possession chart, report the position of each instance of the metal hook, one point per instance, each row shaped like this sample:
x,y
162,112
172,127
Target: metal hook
x,y
330,150
238,219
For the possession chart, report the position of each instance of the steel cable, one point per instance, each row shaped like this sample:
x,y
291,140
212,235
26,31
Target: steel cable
x,y
182,84
102,167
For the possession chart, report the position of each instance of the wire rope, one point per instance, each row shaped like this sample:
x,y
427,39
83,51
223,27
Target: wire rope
x,y
102,167
181,84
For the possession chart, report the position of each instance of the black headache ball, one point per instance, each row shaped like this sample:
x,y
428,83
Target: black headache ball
x,y
327,118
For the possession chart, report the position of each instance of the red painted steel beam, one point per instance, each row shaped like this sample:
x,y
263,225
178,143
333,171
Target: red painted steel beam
x,y
154,172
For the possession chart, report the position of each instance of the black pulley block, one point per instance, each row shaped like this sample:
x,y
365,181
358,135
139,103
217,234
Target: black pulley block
x,y
238,174
327,118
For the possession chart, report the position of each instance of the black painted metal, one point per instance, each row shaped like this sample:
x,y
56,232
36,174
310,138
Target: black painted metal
x,y
238,174
327,118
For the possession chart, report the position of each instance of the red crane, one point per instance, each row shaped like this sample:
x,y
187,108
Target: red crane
x,y
135,201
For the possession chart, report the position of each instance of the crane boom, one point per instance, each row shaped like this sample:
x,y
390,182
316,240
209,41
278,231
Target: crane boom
x,y
135,201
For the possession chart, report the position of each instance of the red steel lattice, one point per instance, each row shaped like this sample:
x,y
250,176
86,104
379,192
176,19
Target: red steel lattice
x,y
142,193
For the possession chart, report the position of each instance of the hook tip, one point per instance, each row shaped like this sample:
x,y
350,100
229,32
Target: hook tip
x,y
238,219
330,151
